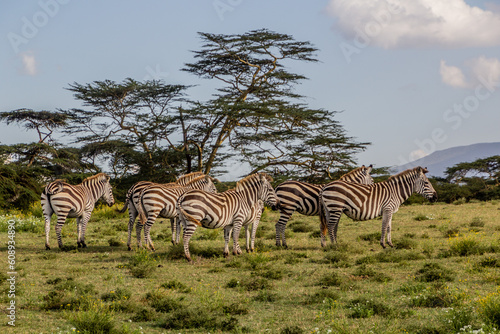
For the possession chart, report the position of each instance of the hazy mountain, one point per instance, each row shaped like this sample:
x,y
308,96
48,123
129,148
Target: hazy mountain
x,y
438,161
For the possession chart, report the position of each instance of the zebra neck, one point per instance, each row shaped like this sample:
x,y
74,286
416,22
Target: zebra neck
x,y
403,186
95,189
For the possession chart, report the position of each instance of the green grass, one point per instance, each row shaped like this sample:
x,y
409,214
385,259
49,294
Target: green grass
x,y
441,277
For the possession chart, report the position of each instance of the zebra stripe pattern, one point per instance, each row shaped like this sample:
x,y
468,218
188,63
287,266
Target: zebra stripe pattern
x,y
363,202
68,201
158,200
133,198
304,198
199,208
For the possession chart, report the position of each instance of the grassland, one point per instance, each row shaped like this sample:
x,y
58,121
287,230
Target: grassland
x,y
443,276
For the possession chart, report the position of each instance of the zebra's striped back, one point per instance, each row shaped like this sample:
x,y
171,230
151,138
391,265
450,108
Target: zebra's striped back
x,y
363,202
199,208
74,201
159,200
304,198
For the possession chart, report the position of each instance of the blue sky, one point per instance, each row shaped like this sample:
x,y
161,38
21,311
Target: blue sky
x,y
411,76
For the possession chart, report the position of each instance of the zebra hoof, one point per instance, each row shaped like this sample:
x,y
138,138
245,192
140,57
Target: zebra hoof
x,y
390,244
47,247
129,248
84,245
383,246
78,245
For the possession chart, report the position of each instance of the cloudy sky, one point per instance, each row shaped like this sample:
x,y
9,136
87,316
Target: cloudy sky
x,y
411,76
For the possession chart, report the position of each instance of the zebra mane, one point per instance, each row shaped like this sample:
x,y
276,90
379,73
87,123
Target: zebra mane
x,y
415,170
198,178
189,176
250,178
354,171
98,177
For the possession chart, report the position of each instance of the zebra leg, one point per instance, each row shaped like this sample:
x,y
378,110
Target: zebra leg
x,y
227,235
60,222
47,213
247,238
386,228
85,220
178,234
173,226
132,214
138,229
254,227
285,214
236,236
149,223
78,232
323,226
333,224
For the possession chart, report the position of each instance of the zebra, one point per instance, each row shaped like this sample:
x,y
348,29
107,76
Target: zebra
x,y
158,200
68,201
250,223
364,202
132,200
304,198
199,208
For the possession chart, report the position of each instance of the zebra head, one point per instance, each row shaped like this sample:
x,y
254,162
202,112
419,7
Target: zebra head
x,y
209,186
359,175
267,193
423,186
108,192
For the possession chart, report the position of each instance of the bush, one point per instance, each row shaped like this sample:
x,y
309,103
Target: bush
x,y
466,246
421,217
142,264
331,279
365,308
266,296
114,242
117,294
489,308
162,302
176,285
97,319
432,272
292,330
477,222
198,318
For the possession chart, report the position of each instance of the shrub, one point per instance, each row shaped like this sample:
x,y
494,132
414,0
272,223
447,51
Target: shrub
x,y
161,302
142,264
368,272
257,260
477,222
176,285
405,243
114,242
144,314
459,317
421,217
266,296
460,201
256,283
235,309
292,330
117,294
321,296
198,318
331,279
335,257
432,272
365,308
372,237
489,308
436,296
301,227
97,319
466,246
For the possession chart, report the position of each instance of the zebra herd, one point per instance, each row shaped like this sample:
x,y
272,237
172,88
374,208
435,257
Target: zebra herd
x,y
193,201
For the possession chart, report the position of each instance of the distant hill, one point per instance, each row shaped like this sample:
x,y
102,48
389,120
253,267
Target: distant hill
x,y
438,161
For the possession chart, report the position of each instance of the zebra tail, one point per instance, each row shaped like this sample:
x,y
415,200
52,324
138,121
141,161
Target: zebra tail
x,y
122,210
141,211
187,216
323,218
60,188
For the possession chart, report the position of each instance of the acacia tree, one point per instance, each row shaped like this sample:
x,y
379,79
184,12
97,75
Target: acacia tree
x,y
256,112
132,125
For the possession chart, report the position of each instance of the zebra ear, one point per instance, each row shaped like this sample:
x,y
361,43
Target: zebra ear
x,y
369,168
424,170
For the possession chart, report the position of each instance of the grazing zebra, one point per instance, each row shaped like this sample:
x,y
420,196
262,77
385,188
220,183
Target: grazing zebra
x,y
68,201
158,200
363,202
304,198
199,208
132,199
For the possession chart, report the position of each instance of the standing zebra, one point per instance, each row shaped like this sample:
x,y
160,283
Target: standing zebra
x,y
364,202
199,208
304,198
132,200
158,200
250,223
68,201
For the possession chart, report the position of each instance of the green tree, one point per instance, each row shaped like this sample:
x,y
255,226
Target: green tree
x,y
256,114
133,126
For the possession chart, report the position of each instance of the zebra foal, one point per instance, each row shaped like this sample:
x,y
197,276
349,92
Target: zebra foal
x,y
199,208
68,201
304,198
364,202
158,200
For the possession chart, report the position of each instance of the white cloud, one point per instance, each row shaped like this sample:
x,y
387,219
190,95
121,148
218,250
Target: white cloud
x,y
29,63
417,154
416,23
480,70
452,75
